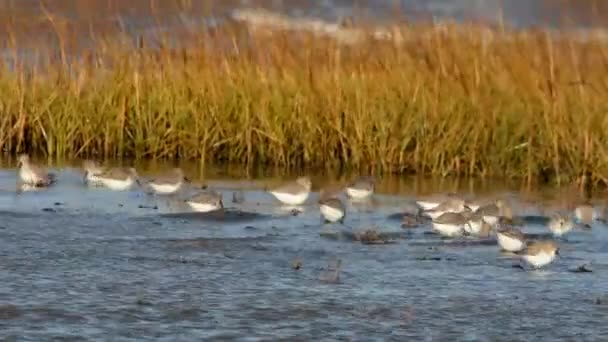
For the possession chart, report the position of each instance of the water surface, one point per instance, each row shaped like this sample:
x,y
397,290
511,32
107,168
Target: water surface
x,y
93,264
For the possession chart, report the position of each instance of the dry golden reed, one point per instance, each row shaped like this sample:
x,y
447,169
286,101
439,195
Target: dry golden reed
x,y
444,99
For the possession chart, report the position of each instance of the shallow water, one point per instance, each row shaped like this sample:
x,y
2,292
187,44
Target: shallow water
x,y
81,263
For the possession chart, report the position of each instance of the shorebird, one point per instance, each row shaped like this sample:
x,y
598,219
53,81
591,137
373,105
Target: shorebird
x,y
473,224
450,224
491,212
474,204
476,226
452,205
119,179
432,201
361,188
560,225
206,201
539,253
412,215
293,193
511,239
508,222
33,175
91,172
413,220
168,183
330,191
332,210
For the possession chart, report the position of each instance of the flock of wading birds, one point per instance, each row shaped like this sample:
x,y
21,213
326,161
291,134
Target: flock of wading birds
x,y
450,215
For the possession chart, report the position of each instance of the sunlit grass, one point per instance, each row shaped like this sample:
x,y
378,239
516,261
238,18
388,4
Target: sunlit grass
x,y
447,100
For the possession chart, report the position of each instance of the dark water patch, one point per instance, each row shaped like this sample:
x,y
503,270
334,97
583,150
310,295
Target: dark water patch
x,y
168,260
533,219
18,215
538,236
409,220
585,268
183,312
360,236
217,243
49,313
435,258
601,300
9,311
227,216
66,338
464,242
399,216
152,207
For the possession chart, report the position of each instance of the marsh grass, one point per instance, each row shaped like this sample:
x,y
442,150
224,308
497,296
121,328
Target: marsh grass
x,y
445,100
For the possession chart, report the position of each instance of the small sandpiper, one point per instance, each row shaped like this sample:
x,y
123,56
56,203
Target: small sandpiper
x,y
474,204
511,239
453,205
430,202
476,226
33,175
168,183
206,201
412,216
119,179
332,210
560,225
491,212
539,253
330,190
360,189
91,172
293,193
450,224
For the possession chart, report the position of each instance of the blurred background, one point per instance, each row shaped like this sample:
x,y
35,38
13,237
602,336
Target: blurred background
x,y
148,14
36,24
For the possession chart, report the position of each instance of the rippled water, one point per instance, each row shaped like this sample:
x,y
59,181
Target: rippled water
x,y
79,263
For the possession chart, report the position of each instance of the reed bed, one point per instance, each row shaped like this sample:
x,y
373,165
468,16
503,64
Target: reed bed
x,y
449,99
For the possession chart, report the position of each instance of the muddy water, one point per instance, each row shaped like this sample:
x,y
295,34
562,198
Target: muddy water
x,y
91,264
